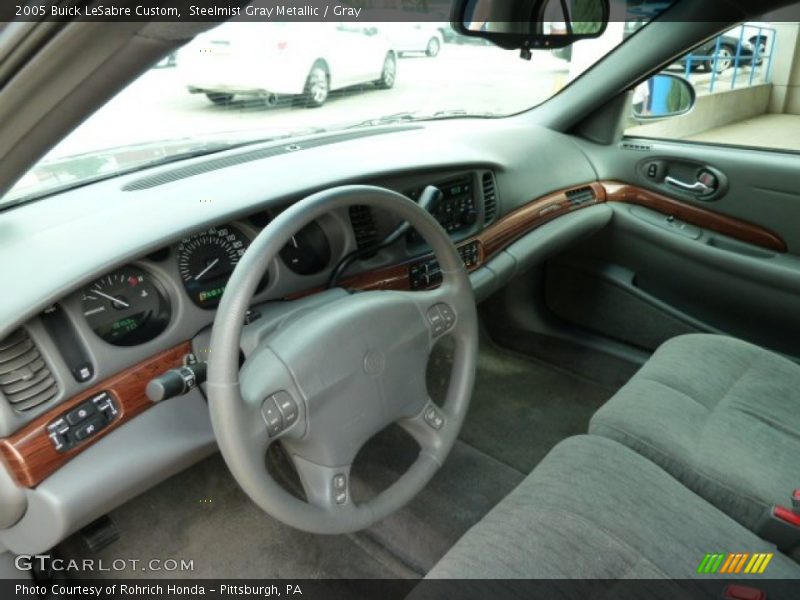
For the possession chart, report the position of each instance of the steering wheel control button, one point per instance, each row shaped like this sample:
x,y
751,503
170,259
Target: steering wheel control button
x,y
339,485
272,416
438,326
448,314
433,418
441,318
287,407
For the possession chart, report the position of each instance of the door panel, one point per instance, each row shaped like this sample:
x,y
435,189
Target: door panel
x,y
675,262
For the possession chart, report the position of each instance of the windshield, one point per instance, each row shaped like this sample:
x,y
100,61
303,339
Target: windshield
x,y
245,81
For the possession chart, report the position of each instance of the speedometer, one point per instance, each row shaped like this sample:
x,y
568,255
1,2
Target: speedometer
x,y
206,261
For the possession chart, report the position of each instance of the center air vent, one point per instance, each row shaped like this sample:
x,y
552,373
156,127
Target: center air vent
x,y
363,223
25,380
489,197
581,196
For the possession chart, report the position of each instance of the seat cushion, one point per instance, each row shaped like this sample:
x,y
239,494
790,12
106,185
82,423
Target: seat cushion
x,y
596,509
720,415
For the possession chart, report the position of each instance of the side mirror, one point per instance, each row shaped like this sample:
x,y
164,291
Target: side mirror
x,y
663,96
531,24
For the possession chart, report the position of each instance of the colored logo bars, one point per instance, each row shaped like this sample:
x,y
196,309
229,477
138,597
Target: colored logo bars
x,y
734,563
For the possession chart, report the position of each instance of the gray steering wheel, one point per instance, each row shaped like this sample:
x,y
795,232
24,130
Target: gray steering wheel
x,y
328,380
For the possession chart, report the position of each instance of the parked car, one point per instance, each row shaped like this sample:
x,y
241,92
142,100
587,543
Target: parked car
x,y
414,37
282,59
752,40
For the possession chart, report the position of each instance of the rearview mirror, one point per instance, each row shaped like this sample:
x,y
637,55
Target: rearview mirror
x,y
663,96
531,24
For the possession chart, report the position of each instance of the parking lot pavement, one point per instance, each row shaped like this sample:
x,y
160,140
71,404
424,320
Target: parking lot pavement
x,y
473,78
781,132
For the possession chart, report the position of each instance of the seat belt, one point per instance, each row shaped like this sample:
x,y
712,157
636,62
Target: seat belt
x,y
781,525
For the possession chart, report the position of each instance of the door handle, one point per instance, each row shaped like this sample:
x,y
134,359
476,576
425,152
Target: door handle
x,y
698,187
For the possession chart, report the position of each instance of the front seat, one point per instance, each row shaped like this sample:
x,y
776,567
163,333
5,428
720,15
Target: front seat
x,y
595,509
721,415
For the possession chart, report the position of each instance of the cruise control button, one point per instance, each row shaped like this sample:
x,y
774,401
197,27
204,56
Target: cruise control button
x,y
339,481
81,413
287,407
433,418
339,485
272,416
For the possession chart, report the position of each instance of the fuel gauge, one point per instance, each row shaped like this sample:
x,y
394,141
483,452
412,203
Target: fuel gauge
x,y
126,307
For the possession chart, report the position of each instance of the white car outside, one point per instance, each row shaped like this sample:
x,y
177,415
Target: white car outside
x,y
413,37
276,59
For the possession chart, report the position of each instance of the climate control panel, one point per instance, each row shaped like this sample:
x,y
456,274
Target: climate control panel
x,y
457,210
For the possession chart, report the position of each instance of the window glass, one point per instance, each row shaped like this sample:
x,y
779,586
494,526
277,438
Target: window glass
x,y
747,82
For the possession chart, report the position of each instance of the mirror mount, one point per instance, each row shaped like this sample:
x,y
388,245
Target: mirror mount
x,y
527,25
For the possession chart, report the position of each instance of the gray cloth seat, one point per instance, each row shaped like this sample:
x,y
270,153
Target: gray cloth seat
x,y
721,415
596,509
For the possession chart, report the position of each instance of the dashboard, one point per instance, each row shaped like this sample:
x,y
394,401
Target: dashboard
x,y
117,282
169,295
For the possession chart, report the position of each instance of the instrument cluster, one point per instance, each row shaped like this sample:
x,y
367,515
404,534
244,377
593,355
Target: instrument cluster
x,y
131,306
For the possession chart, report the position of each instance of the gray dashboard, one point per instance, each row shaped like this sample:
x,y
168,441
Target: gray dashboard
x,y
52,248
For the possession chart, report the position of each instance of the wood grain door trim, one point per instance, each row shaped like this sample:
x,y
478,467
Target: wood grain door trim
x,y
738,229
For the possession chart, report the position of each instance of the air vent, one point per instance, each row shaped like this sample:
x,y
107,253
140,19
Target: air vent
x,y
363,223
636,147
237,159
25,380
489,197
580,196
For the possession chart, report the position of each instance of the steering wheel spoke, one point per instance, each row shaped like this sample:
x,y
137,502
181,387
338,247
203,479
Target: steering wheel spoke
x,y
430,428
325,487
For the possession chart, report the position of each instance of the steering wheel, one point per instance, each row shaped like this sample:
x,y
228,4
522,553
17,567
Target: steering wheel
x,y
329,379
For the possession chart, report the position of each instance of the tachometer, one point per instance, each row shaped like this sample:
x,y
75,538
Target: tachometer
x,y
206,261
126,307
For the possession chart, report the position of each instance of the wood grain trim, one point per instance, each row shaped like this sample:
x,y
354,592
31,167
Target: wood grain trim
x,y
29,453
490,241
514,225
730,226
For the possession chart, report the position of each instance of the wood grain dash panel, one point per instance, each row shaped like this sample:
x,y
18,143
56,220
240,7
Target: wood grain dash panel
x,y
29,452
744,231
517,223
490,241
